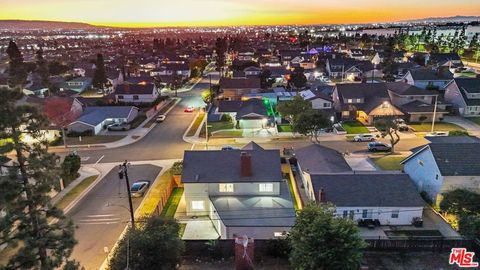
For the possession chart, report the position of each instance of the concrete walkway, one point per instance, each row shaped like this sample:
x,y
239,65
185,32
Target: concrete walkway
x,y
463,122
360,163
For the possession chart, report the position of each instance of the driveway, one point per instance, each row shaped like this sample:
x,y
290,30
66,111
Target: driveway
x,y
463,122
101,216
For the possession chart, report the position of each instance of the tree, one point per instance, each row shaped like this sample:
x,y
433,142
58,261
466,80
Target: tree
x,y
153,245
58,110
42,69
298,78
310,123
57,68
320,240
460,202
265,80
197,67
99,77
389,65
207,96
17,73
29,217
292,108
389,126
70,166
221,47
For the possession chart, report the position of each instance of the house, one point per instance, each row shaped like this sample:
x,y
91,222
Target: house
x,y
350,69
364,101
234,88
136,93
320,101
252,71
94,119
445,164
427,78
390,198
315,159
180,69
450,60
248,114
242,191
78,84
464,94
417,104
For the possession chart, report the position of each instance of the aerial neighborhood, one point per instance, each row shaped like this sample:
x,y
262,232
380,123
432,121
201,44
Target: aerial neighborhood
x,y
264,142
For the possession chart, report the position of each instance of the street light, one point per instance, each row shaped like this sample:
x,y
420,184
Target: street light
x,y
123,171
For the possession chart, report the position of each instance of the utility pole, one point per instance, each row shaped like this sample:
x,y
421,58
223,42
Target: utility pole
x,y
206,128
123,171
434,113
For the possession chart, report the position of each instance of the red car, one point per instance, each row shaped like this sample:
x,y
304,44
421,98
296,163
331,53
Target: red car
x,y
189,109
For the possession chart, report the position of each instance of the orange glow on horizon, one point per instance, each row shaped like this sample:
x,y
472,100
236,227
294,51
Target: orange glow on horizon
x,y
169,13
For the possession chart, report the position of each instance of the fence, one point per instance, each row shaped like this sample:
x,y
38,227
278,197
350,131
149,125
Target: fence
x,y
434,244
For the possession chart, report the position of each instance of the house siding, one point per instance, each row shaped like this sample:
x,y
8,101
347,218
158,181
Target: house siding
x,y
453,95
255,232
243,189
424,172
384,214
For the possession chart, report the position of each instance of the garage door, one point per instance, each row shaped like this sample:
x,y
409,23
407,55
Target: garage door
x,y
251,124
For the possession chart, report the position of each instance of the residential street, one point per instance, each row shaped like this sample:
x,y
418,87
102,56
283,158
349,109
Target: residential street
x,y
101,216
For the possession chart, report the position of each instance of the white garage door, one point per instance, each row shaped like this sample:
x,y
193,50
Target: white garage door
x,y
251,123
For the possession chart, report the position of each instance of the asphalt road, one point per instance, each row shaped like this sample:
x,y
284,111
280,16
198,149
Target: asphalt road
x,y
164,141
101,216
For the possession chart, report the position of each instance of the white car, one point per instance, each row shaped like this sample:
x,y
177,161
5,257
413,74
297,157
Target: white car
x,y
160,118
364,138
437,134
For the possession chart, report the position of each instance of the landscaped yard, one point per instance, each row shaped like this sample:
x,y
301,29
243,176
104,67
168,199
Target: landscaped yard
x,y
285,128
439,126
171,206
354,127
389,162
77,190
217,126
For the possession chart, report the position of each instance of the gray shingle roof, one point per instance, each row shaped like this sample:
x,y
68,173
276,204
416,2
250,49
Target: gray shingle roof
x,y
368,190
256,211
253,105
96,115
469,85
406,89
134,89
223,166
458,159
426,74
316,158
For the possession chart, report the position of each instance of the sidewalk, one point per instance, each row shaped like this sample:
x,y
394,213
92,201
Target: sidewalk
x,y
133,135
463,122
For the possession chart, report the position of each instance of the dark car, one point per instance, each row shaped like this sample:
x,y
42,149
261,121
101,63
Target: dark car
x,y
139,188
379,147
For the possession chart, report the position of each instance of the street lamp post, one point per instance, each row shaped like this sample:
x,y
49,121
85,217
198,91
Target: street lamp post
x,y
434,113
123,171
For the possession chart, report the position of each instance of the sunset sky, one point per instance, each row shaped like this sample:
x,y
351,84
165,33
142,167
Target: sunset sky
x,y
232,12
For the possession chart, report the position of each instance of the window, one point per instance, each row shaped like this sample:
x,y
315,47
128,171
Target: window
x,y
225,187
436,177
345,213
198,205
280,234
359,100
120,97
326,105
135,97
345,113
351,214
364,213
395,213
349,100
265,187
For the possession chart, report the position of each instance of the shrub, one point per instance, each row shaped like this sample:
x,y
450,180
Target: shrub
x,y
83,133
70,166
458,133
226,118
278,248
177,168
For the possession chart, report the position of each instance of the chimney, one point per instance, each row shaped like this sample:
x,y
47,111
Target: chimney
x,y
245,164
321,196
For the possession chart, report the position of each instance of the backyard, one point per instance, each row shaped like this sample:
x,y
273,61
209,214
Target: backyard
x,y
171,206
354,127
389,162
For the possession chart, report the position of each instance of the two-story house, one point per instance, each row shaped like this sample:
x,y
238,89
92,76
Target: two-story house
x,y
464,94
78,85
445,164
427,78
364,101
242,191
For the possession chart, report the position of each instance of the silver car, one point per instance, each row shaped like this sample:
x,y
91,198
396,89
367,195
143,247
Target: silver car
x,y
119,127
364,138
139,188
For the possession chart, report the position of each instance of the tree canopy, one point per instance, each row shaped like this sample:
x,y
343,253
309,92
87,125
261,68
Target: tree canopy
x,y
310,123
321,241
154,245
388,127
291,109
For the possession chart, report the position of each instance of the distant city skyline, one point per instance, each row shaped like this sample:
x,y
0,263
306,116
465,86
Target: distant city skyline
x,y
149,13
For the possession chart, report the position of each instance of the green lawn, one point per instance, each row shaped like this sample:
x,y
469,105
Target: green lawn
x,y
285,128
171,206
73,194
389,162
354,127
440,126
215,126
290,188
476,120
228,134
196,124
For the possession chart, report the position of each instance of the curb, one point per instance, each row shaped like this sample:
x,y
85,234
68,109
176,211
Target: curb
x,y
84,192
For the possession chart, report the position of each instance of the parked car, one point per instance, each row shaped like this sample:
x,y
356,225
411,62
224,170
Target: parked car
x,y
402,126
119,127
364,138
189,109
228,147
139,188
160,118
379,147
437,134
